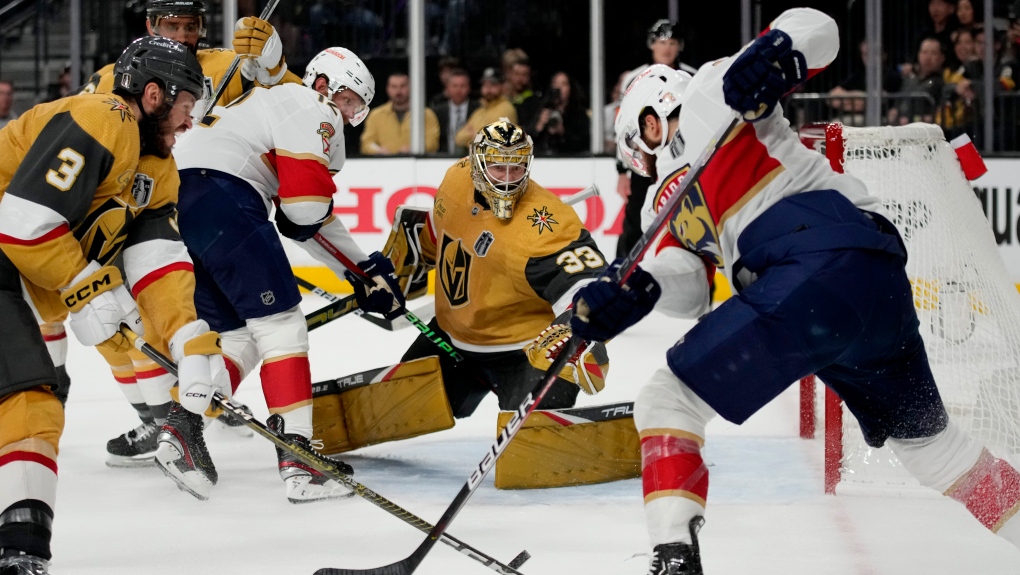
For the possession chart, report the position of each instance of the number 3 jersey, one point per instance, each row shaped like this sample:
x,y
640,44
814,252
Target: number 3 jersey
x,y
73,190
498,282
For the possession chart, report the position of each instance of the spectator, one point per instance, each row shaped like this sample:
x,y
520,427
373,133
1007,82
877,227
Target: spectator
x,y
943,22
925,79
510,57
447,65
7,113
61,87
957,109
453,112
388,127
969,13
609,113
666,45
493,106
525,100
853,87
563,125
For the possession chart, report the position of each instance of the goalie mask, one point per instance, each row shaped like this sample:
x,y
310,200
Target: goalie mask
x,y
660,89
500,163
343,70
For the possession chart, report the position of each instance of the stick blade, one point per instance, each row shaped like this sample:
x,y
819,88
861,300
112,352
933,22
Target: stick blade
x,y
399,568
519,561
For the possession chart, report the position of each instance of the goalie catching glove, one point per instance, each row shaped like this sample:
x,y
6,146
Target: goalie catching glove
x,y
200,368
99,303
259,45
588,366
382,293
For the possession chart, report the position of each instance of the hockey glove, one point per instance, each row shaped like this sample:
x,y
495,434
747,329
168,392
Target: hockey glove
x,y
762,73
259,45
587,367
200,368
603,309
98,304
385,297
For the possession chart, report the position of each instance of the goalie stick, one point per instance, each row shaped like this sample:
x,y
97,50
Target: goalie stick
x,y
423,313
266,13
409,564
328,467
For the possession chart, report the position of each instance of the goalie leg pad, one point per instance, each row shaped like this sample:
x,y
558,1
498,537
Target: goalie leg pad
x,y
566,447
385,404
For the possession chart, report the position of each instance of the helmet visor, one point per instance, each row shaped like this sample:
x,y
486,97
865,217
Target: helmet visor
x,y
629,147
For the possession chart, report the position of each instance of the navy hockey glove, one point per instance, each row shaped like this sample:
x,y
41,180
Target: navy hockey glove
x,y
385,296
762,73
603,309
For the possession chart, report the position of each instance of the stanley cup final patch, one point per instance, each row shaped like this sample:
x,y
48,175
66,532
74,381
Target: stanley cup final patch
x,y
483,243
141,191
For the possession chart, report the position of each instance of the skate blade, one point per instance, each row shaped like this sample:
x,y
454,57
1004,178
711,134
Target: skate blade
x,y
299,491
128,462
191,482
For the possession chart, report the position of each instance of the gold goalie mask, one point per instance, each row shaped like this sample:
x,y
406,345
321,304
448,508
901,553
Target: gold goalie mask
x,y
500,163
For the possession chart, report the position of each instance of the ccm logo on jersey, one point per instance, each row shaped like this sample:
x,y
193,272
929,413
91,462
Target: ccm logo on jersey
x,y
327,131
88,291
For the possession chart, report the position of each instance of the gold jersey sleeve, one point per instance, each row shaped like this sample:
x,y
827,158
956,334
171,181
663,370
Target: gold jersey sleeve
x,y
62,164
496,280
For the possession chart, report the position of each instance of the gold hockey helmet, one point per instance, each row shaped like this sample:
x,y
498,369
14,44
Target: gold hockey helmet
x,y
500,163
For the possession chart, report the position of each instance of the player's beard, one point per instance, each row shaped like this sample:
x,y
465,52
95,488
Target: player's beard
x,y
154,129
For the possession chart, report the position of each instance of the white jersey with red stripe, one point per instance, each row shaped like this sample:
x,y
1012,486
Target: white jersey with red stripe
x,y
760,163
286,142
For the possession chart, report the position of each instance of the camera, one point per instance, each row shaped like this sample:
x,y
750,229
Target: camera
x,y
552,103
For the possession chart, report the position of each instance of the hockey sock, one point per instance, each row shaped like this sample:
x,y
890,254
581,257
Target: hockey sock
x,y
671,422
155,383
287,385
56,344
124,374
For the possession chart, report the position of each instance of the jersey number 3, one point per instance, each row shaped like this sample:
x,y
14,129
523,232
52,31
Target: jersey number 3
x,y
64,176
578,259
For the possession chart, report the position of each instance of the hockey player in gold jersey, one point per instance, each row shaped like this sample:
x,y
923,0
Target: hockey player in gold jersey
x,y
70,202
509,256
145,384
255,41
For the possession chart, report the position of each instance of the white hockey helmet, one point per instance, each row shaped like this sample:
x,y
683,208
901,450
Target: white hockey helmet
x,y
343,70
659,88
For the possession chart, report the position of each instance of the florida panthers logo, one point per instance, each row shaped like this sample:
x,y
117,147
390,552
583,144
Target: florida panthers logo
x,y
693,224
326,130
454,271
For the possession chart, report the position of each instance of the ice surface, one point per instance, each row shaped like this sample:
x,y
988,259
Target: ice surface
x,y
767,514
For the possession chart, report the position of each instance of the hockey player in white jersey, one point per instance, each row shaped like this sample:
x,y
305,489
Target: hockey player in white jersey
x,y
820,281
269,147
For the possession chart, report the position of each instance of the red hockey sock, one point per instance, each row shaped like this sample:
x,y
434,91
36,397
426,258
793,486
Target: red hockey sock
x,y
287,382
671,466
990,491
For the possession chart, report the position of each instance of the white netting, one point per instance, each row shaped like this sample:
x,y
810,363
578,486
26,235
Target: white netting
x,y
968,307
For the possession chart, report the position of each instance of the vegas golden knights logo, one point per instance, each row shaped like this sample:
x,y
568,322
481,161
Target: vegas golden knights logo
x,y
103,232
454,268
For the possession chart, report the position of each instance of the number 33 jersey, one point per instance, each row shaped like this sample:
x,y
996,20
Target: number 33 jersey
x,y
498,282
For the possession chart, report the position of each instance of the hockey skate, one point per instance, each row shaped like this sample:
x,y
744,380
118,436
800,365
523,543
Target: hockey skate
x,y
234,426
136,448
305,484
18,564
182,455
679,558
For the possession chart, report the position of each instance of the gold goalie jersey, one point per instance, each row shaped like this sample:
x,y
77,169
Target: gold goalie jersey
x,y
499,281
73,190
214,61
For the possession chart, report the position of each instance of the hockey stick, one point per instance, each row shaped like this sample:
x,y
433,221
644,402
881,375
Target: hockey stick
x,y
421,312
222,86
328,467
336,310
409,564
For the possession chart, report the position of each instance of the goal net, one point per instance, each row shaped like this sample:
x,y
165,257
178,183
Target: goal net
x,y
969,309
